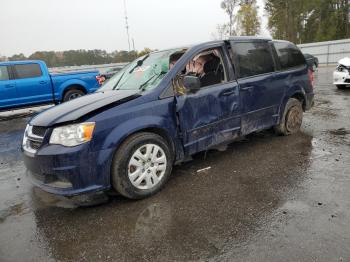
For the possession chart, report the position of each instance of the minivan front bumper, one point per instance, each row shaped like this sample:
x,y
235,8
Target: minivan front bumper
x,y
69,171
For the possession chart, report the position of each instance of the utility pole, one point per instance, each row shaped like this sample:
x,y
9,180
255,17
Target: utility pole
x,y
127,24
133,48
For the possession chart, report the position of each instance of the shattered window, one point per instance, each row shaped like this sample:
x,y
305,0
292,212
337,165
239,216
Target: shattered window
x,y
144,73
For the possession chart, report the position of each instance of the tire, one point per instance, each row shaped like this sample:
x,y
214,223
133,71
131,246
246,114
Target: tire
x,y
342,87
145,183
72,94
292,118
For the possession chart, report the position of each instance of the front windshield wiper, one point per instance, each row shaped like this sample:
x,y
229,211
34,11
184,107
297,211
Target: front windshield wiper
x,y
145,83
139,63
116,85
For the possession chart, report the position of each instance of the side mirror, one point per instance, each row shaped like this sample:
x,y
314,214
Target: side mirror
x,y
192,83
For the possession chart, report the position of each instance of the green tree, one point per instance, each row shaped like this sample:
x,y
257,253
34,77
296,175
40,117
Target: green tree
x,y
145,51
229,7
309,21
50,57
247,20
17,57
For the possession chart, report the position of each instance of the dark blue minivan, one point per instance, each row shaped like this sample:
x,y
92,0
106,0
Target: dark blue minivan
x,y
161,109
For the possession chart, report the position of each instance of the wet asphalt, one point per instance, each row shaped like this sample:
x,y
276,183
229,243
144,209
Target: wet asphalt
x,y
266,198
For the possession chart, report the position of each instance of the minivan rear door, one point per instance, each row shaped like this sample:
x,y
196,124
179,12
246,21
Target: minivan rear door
x,y
259,93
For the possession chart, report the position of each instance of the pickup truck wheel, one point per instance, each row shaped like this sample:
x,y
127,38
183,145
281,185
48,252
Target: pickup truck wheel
x,y
292,118
72,94
141,166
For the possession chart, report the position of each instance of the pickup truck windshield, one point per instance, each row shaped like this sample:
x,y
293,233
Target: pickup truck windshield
x,y
144,73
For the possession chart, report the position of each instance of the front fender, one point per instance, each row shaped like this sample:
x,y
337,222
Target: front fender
x,y
122,131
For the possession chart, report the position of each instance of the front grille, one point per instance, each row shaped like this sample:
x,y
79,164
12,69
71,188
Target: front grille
x,y
39,131
33,138
34,144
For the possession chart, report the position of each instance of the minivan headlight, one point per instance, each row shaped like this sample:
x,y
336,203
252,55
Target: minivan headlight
x,y
72,135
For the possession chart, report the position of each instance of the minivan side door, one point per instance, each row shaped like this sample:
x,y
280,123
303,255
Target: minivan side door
x,y
33,83
8,93
260,95
210,116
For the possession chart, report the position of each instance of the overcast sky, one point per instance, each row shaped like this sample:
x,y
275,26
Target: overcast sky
x,y
44,25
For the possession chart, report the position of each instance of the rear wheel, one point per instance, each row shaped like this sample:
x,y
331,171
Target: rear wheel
x,y
72,94
141,166
292,118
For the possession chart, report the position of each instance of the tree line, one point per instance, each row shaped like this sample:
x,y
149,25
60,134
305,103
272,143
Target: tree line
x,y
309,21
79,57
298,21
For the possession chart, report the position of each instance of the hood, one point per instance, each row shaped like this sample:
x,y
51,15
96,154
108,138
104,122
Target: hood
x,y
80,107
344,61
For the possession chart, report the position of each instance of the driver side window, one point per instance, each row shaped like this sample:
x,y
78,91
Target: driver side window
x,y
205,69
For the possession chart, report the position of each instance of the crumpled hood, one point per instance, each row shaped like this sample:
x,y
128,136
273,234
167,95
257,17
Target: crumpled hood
x,y
344,61
75,109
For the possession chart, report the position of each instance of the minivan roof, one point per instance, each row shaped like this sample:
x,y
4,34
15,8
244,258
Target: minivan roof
x,y
249,38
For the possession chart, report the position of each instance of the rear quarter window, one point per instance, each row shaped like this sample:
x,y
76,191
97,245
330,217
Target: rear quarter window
x,y
27,71
289,55
254,58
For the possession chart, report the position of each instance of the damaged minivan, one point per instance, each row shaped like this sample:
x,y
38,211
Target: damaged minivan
x,y
161,109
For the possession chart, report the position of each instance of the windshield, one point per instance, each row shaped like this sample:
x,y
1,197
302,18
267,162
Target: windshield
x,y
144,73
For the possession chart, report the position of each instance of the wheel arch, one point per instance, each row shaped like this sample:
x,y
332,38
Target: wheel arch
x,y
155,130
301,97
152,129
73,87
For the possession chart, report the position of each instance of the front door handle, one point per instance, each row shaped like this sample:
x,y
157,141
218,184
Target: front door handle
x,y
9,86
247,88
42,82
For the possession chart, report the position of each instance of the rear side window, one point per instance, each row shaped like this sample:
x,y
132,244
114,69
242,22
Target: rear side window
x,y
254,58
28,70
4,74
289,55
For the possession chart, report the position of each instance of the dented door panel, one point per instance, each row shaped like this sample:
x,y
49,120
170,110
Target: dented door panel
x,y
260,99
209,117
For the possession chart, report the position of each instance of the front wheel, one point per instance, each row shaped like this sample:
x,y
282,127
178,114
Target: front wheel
x,y
292,118
141,166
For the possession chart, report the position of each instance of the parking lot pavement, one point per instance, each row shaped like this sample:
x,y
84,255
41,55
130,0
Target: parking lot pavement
x,y
266,198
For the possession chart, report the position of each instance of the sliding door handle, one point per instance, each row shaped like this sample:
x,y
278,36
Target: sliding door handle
x,y
247,88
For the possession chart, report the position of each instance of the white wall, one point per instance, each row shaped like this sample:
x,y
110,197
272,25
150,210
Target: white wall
x,y
328,52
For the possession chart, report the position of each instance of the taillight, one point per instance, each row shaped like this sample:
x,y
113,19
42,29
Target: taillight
x,y
100,79
311,77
